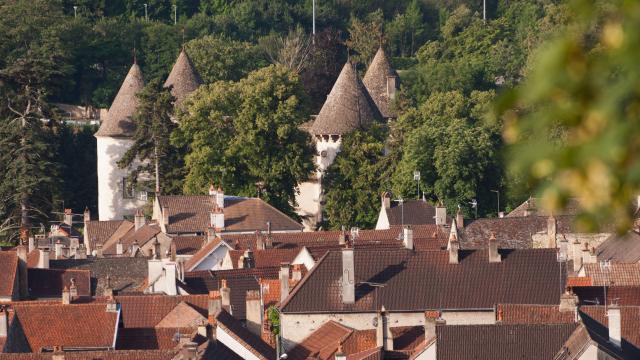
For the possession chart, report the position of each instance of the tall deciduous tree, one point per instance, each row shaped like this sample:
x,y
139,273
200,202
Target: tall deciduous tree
x,y
245,133
152,155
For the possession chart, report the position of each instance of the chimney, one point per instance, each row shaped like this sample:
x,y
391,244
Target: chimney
x,y
240,264
220,198
568,301
453,246
615,325
217,218
211,234
119,248
165,216
73,289
342,240
348,276
268,242
284,280
4,323
32,243
249,260
58,249
551,232
43,260
384,338
386,200
81,252
68,217
562,249
430,318
577,256
66,296
259,241
21,251
269,228
407,237
139,219
212,190
134,248
586,253
296,274
108,290
460,219
189,351
340,355
23,271
392,83
214,305
86,215
225,294
156,249
441,215
529,209
494,255
254,312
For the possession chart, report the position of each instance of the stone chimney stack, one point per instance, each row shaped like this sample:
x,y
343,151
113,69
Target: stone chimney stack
x,y
577,255
551,232
23,271
139,220
214,305
563,249
4,323
58,249
249,259
407,237
220,198
430,318
494,255
43,260
134,248
217,218
460,219
284,280
386,200
453,245
240,264
212,190
156,249
225,294
384,338
81,252
615,325
165,216
68,217
254,312
66,296
342,240
441,215
568,302
86,215
348,276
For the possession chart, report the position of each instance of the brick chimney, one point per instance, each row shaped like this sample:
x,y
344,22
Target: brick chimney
x,y
139,220
254,312
214,305
4,323
68,217
494,255
454,245
165,216
86,216
66,296
348,276
384,338
284,280
220,198
441,215
43,260
615,325
551,232
225,294
407,237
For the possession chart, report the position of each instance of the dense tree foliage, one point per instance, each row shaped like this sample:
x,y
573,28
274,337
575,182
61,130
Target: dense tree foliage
x,y
244,136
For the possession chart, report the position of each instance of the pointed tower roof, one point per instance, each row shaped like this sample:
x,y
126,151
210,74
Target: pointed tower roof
x,y
375,80
348,106
118,122
183,77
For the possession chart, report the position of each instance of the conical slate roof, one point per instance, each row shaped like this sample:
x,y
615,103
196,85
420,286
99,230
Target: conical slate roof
x,y
347,107
118,122
375,80
183,77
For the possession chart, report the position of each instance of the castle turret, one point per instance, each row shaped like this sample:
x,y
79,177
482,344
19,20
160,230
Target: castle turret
x,y
184,78
382,82
116,196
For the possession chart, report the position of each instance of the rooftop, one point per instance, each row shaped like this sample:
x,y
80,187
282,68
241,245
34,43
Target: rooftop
x,y
118,122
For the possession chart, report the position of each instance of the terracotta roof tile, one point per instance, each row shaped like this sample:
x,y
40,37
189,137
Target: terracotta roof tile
x,y
33,258
615,274
182,316
534,314
8,269
425,280
250,341
118,122
48,283
188,245
411,212
622,249
141,236
98,355
573,281
75,325
266,258
147,311
322,343
191,214
149,338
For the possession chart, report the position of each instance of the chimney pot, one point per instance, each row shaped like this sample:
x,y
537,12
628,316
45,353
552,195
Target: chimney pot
x,y
4,323
225,293
87,215
384,337
494,255
297,272
407,237
68,217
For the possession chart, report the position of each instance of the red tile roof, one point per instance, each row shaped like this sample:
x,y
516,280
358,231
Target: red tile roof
x,y
266,258
191,214
146,311
322,343
412,212
48,283
98,355
534,314
141,236
74,326
615,274
188,245
425,280
33,258
8,271
101,231
573,281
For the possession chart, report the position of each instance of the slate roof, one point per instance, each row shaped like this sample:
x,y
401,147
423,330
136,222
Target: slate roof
x,y
531,341
49,283
240,333
425,280
614,274
188,245
348,106
75,325
191,214
621,249
127,274
118,122
183,77
8,269
412,212
375,80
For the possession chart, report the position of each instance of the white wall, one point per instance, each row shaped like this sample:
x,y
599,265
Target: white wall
x,y
111,204
234,345
212,261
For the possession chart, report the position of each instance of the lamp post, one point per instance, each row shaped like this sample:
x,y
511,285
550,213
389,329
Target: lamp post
x,y
175,14
313,31
146,14
497,193
75,11
416,178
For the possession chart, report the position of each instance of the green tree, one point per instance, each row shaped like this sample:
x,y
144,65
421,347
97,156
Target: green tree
x,y
78,167
365,36
244,133
152,154
353,182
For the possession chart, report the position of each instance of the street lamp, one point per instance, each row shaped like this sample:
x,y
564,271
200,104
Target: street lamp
x,y
75,11
416,178
497,193
175,14
146,14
